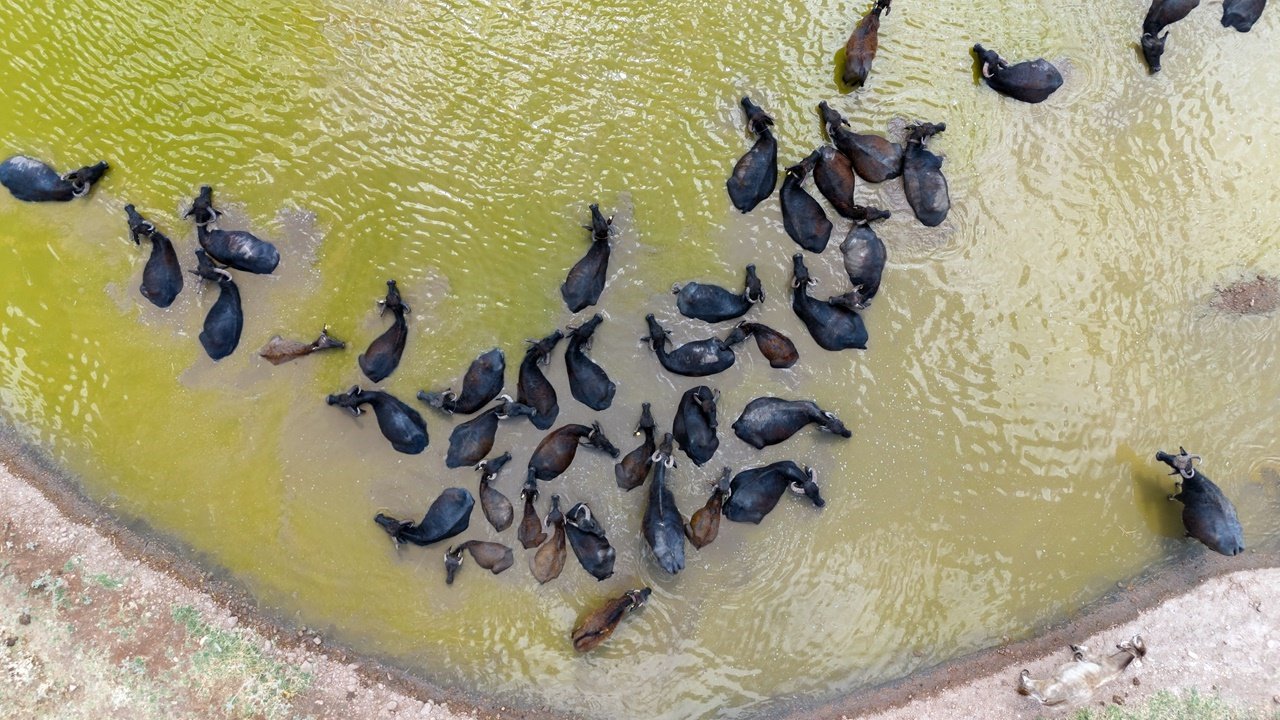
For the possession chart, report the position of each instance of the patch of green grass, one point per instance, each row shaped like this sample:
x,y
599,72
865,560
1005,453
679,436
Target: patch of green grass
x,y
107,581
224,657
55,586
1165,705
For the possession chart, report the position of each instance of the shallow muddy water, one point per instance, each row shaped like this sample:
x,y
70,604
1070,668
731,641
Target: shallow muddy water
x,y
1027,357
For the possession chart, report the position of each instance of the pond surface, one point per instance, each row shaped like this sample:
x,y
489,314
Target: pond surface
x,y
1027,357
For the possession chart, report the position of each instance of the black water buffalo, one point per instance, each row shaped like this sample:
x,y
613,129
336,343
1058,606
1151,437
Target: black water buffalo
x,y
234,248
383,356
776,347
556,451
922,179
832,326
1242,14
32,181
162,276
448,515
1030,81
492,556
588,382
532,387
548,561
713,303
399,423
635,466
803,217
225,321
875,158
860,48
663,524
756,173
481,384
1160,15
833,174
704,526
472,440
588,541
596,627
1152,49
1206,513
770,420
586,278
278,350
694,426
754,493
864,258
497,508
695,359
530,533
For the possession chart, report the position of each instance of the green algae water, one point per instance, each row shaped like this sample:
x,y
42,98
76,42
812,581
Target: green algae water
x,y
1027,357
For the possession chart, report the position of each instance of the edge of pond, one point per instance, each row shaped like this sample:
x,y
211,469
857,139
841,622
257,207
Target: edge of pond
x,y
171,558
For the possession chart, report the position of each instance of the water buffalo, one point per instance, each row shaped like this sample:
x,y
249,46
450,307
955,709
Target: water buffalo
x,y
32,181
234,248
864,258
225,321
694,426
586,278
448,515
803,217
875,158
1152,49
770,420
1030,81
532,387
713,303
278,351
1160,15
860,49
776,347
481,384
922,178
472,440
1242,14
556,451
754,493
548,561
380,360
596,627
588,382
1207,514
756,173
832,326
399,423
162,276
833,174
530,532
635,467
704,526
695,359
492,556
588,541
497,508
663,525
1077,681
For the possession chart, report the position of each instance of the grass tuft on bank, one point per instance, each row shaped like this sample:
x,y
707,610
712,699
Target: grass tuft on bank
x,y
1165,705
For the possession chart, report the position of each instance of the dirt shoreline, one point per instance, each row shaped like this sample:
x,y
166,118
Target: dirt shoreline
x,y
1211,624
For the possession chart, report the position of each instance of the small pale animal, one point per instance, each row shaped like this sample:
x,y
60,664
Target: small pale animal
x,y
1077,681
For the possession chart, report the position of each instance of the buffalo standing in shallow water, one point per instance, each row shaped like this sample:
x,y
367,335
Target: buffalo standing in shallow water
x,y
448,515
399,423
278,351
770,420
875,159
548,561
588,382
1031,81
833,326
1242,14
864,258
586,278
533,388
802,217
162,276
234,248
860,49
557,450
588,541
1161,14
703,528
695,424
530,533
922,179
1206,513
497,508
776,347
635,467
600,624
713,303
383,356
472,440
481,384
492,556
694,359
32,181
225,321
754,493
663,525
756,173
833,174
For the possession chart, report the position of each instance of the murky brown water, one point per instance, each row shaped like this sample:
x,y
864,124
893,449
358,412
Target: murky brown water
x,y
1027,357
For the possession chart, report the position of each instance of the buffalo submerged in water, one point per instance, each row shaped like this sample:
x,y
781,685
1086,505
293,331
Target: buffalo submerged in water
x,y
33,181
